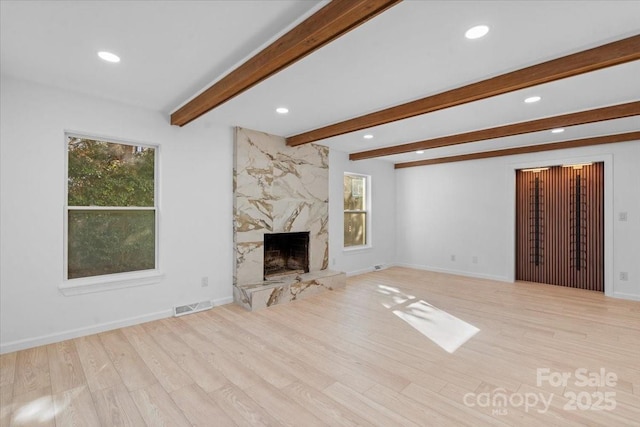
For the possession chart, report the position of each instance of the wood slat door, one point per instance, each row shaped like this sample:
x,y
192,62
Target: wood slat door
x,y
560,226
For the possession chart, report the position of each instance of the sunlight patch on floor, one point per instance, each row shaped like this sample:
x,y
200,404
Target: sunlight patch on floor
x,y
445,330
396,296
43,409
37,411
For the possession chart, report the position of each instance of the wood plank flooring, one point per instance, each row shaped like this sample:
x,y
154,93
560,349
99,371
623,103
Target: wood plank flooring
x,y
344,358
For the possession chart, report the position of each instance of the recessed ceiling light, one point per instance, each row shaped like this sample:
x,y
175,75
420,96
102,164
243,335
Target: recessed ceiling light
x,y
282,110
558,130
476,32
368,136
419,151
532,99
108,56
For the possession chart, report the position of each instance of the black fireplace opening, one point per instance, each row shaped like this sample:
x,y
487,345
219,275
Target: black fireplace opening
x,y
286,253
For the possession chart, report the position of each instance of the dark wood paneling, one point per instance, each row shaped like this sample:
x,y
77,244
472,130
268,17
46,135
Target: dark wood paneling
x,y
327,24
584,142
583,117
572,252
615,53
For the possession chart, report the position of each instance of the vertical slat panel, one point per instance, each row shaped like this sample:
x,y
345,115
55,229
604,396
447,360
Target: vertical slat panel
x,y
560,246
520,224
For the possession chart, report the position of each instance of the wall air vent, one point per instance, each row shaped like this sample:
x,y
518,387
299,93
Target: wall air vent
x,y
181,310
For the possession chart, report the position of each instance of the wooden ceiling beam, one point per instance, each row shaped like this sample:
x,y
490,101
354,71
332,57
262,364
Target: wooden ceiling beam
x,y
607,55
572,119
584,142
327,24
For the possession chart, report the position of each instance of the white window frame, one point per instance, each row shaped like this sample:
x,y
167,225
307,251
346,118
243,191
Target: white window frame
x,y
367,211
109,282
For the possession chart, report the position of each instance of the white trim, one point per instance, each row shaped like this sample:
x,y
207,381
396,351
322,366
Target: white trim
x,y
106,138
368,270
110,282
222,301
94,329
367,211
359,272
454,272
120,280
65,213
624,295
81,332
618,295
351,249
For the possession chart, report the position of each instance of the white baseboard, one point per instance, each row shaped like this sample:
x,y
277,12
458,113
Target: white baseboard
x,y
623,295
368,269
358,272
455,272
80,332
94,329
222,301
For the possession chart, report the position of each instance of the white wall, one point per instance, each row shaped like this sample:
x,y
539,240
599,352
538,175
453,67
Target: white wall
x,y
195,214
463,208
383,214
467,209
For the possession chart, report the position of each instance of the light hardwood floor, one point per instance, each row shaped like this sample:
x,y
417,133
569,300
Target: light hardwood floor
x,y
344,358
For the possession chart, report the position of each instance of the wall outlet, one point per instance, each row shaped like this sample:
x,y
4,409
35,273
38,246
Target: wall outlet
x,y
204,282
624,276
622,216
333,261
453,257
474,259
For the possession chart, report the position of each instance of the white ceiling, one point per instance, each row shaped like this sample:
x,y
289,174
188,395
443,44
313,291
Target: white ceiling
x,y
170,50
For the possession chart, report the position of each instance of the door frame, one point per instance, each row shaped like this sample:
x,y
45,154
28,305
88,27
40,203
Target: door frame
x,y
545,161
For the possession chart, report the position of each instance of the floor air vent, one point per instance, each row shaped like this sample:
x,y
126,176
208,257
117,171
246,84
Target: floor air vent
x,y
181,310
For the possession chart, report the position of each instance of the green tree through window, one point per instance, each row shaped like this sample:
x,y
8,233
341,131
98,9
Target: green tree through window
x,y
355,210
111,212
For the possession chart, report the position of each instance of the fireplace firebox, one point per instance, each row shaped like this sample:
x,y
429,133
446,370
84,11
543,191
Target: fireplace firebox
x,y
285,253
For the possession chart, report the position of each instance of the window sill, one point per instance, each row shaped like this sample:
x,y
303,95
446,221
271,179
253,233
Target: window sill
x,y
110,282
356,248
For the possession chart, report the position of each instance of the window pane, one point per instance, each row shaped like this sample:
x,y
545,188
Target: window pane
x,y
107,242
354,193
355,225
108,174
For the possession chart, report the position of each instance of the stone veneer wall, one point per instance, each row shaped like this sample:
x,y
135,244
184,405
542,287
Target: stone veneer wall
x,y
277,189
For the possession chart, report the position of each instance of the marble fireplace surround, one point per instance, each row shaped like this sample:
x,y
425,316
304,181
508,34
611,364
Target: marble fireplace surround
x,y
279,189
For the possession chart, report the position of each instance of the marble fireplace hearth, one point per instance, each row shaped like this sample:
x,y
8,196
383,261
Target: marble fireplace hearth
x,y
280,190
256,296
